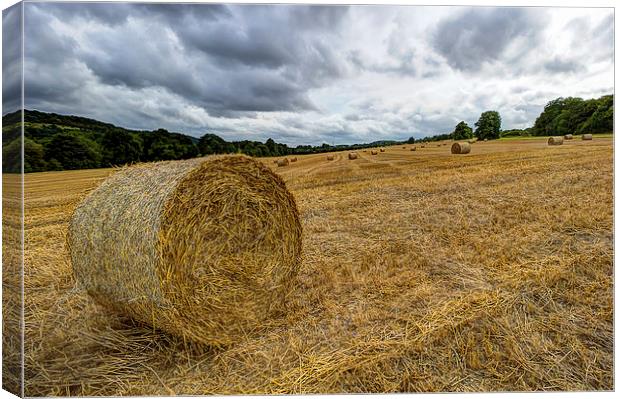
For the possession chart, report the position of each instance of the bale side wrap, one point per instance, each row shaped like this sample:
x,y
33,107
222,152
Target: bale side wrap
x,y
586,137
555,140
205,249
460,148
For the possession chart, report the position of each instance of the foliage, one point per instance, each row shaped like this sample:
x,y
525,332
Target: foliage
x,y
573,115
462,131
73,151
489,125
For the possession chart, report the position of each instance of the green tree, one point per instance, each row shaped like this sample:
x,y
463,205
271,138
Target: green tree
x,y
73,151
489,125
462,131
120,147
410,140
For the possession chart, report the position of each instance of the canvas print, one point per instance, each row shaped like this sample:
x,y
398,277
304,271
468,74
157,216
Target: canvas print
x,y
211,198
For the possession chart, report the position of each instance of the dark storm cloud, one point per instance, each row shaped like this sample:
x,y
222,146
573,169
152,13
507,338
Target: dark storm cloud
x,y
559,65
11,59
481,35
225,60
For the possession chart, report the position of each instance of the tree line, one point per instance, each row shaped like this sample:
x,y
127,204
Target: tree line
x,y
61,142
570,115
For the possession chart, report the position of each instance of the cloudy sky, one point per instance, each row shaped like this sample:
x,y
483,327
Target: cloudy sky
x,y
309,74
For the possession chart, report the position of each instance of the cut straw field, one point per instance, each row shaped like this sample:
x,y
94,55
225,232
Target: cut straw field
x,y
421,271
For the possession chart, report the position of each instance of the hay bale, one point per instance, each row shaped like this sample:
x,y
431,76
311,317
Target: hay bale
x,y
330,157
586,137
205,249
555,140
461,148
404,148
412,148
353,155
486,139
422,146
373,152
283,162
568,137
294,159
382,149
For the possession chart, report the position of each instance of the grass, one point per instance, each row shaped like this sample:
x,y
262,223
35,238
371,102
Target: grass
x,y
421,271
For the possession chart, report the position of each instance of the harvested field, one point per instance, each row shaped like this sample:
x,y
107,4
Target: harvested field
x,y
421,271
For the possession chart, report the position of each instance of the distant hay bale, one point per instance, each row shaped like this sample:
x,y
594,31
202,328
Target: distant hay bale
x,y
555,140
486,139
206,249
422,146
460,148
412,148
382,149
283,162
330,157
438,145
373,152
353,155
294,159
568,137
586,137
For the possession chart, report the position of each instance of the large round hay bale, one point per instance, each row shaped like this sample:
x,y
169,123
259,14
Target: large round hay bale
x,y
373,152
205,249
461,148
586,137
330,157
283,162
353,155
568,137
555,140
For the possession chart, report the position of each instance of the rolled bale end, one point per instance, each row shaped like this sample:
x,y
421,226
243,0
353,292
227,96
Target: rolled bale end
x,y
373,152
555,140
283,162
586,137
568,137
460,148
353,155
330,157
206,249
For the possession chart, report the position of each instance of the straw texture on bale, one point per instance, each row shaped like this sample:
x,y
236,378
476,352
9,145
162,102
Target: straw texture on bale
x,y
330,157
556,140
373,152
205,249
568,137
586,137
282,162
353,155
461,148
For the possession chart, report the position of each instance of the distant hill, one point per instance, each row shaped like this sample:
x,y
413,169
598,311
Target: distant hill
x,y
59,142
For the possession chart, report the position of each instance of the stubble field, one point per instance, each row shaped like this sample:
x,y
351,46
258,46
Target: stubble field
x,y
421,271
